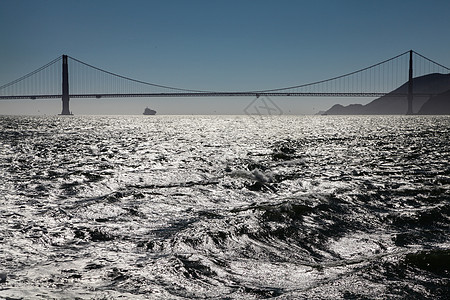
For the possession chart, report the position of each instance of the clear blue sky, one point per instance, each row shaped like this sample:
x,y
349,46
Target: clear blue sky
x,y
215,45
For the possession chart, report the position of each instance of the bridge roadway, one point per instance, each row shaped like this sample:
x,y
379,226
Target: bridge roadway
x,y
212,94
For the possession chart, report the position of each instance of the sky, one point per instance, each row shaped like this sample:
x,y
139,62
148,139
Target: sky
x,y
223,45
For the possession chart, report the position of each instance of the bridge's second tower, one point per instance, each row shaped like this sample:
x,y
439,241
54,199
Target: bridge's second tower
x,y
410,85
65,87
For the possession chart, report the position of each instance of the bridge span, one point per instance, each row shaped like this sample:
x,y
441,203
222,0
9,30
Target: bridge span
x,y
52,81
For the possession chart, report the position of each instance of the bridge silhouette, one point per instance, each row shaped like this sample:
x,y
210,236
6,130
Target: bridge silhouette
x,y
53,80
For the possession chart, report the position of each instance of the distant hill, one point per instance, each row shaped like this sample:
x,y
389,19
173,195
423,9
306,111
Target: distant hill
x,y
437,105
393,105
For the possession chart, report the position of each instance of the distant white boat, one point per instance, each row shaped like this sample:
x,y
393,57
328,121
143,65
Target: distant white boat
x,y
149,111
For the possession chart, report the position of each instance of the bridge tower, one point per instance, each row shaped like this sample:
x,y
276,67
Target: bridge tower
x,y
410,84
65,87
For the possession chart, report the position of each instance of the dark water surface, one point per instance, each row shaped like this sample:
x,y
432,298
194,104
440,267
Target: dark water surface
x,y
182,207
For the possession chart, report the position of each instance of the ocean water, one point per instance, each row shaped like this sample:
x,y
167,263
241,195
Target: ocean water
x,y
225,207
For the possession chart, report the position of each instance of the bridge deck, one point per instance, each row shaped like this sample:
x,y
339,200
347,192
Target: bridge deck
x,y
211,94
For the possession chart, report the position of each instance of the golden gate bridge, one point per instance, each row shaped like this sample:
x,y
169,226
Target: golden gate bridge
x,y
67,78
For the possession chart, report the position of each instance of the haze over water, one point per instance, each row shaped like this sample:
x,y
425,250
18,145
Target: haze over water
x,y
229,207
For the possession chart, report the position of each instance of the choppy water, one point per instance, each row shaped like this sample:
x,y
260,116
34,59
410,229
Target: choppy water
x,y
183,207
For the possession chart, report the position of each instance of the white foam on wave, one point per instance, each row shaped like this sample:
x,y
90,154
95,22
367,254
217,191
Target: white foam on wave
x,y
255,175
